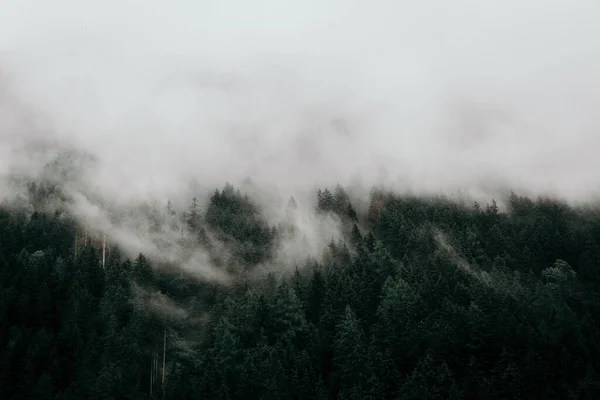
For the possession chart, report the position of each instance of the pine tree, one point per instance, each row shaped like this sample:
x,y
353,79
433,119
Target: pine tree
x,y
350,355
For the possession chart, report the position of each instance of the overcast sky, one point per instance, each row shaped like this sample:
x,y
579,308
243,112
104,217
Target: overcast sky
x,y
430,94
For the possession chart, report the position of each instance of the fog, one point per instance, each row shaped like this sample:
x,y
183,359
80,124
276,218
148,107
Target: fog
x,y
427,95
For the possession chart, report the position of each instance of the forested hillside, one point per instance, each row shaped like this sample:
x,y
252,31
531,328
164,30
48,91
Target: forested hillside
x,y
425,298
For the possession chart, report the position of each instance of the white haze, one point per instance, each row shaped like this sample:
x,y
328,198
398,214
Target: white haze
x,y
439,94
424,95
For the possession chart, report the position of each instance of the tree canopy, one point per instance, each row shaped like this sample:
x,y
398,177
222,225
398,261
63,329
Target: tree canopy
x,y
421,299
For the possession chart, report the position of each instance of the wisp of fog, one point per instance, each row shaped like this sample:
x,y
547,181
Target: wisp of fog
x,y
427,95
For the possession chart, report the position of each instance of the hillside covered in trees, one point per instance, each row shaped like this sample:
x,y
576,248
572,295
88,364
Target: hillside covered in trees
x,y
423,298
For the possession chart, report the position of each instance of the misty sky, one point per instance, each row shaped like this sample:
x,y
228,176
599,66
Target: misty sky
x,y
430,94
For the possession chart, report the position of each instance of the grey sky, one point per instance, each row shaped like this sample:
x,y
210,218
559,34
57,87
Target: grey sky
x,y
443,93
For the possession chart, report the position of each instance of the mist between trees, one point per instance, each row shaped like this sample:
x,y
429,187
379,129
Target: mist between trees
x,y
403,297
131,269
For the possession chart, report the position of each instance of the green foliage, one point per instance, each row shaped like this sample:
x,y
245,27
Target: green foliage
x,y
422,299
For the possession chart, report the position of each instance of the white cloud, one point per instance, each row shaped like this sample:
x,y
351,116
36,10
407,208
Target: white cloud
x,y
444,94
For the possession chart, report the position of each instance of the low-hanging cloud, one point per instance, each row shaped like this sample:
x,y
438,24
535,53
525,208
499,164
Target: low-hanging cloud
x,y
428,95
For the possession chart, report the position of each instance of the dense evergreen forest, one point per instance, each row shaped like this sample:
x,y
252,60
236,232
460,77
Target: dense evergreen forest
x,y
424,298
